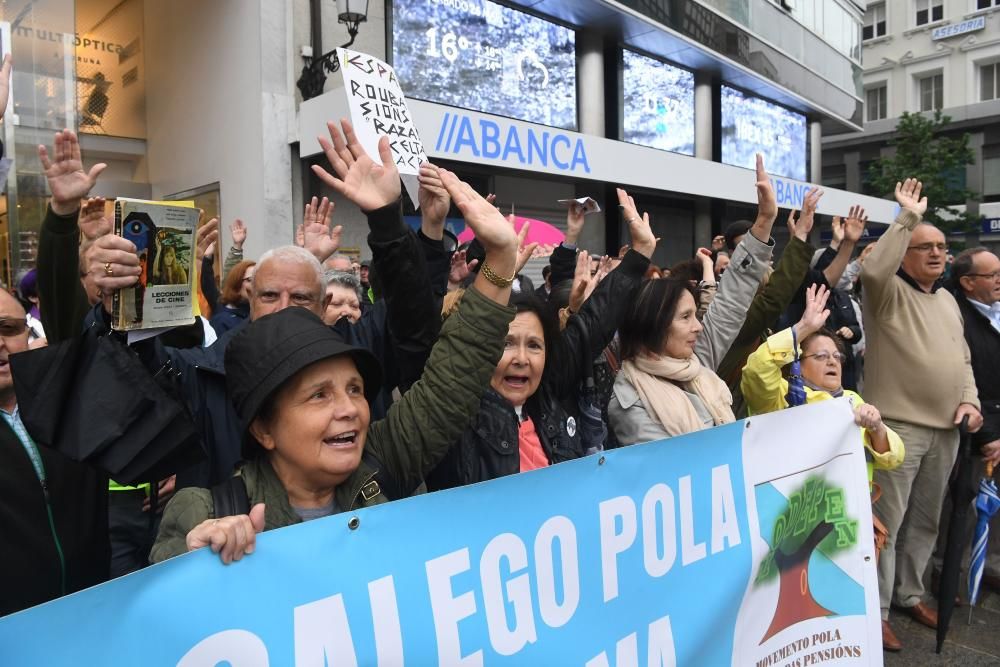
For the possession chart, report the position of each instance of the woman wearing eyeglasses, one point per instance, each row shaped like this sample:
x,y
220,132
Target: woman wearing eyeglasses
x,y
822,358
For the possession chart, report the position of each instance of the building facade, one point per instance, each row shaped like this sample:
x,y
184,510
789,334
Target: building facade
x,y
920,56
535,101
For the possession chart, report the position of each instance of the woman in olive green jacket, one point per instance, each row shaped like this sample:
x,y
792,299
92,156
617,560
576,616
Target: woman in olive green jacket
x,y
301,394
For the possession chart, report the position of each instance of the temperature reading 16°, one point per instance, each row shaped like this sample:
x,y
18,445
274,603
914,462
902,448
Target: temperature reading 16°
x,y
450,45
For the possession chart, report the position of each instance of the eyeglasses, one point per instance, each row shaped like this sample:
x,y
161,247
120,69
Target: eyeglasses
x,y
991,276
927,247
10,327
824,356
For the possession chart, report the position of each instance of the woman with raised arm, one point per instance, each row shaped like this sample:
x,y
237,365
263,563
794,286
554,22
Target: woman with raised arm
x,y
303,395
822,359
531,415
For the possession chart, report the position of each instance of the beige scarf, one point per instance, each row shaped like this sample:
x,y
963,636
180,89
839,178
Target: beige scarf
x,y
659,380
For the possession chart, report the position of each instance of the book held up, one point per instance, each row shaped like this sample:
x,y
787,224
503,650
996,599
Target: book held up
x,y
164,238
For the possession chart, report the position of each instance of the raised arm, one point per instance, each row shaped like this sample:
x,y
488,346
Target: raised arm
x,y
238,233
736,290
883,262
762,384
421,427
64,303
853,229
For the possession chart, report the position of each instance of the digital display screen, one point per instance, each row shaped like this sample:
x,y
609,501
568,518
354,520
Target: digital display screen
x,y
479,55
658,104
751,125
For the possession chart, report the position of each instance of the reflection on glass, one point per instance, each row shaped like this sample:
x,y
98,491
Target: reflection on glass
x,y
658,104
751,125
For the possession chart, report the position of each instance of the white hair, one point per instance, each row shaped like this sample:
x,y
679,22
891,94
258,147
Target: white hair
x,y
345,279
292,254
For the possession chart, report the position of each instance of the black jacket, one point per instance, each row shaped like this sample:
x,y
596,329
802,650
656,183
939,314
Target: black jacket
x,y
489,447
984,344
31,568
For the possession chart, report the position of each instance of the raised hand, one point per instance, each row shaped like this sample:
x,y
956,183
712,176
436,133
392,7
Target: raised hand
x,y
68,181
643,240
92,222
4,84
767,202
816,312
809,204
799,228
581,282
317,237
433,198
524,251
370,186
574,222
837,229
459,270
490,227
908,196
206,236
238,231
854,226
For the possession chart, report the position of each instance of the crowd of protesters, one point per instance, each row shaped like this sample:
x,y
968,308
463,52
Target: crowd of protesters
x,y
315,385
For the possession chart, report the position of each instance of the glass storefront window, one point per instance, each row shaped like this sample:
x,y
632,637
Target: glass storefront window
x,y
42,35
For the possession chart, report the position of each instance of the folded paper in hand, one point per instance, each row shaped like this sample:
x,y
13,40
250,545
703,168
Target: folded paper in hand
x,y
588,203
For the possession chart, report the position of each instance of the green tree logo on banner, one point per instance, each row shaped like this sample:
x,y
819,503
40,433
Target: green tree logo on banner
x,y
815,518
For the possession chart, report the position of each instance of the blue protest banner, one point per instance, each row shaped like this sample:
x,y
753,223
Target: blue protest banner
x,y
748,544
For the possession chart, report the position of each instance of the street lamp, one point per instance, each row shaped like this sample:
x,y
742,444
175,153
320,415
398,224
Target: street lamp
x,y
349,12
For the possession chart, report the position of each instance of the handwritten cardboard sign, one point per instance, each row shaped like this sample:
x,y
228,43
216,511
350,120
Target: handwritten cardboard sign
x,y
378,108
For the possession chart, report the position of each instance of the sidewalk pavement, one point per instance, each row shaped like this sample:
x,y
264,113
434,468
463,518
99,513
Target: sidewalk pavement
x,y
967,645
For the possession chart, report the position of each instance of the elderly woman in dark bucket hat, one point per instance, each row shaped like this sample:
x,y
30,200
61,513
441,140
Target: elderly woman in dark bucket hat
x,y
302,397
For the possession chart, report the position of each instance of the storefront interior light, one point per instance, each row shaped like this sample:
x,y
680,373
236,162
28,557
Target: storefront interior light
x,y
351,13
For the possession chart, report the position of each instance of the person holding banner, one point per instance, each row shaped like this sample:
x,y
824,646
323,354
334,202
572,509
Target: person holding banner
x,y
766,390
302,395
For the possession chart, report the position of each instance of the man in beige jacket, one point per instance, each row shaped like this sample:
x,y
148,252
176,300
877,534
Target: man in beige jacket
x,y
918,372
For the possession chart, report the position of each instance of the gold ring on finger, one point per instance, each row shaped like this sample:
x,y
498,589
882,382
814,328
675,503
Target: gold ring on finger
x,y
108,270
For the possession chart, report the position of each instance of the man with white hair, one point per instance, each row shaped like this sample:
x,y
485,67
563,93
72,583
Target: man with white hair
x,y
292,276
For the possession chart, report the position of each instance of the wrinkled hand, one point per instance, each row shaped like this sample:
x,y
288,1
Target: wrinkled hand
x,y
488,224
868,417
581,281
432,197
206,236
643,240
975,417
370,186
4,84
908,196
68,181
815,314
113,264
316,235
93,223
238,231
232,537
767,202
991,452
854,226
845,333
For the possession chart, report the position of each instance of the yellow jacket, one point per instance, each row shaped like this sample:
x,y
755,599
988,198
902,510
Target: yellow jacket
x,y
764,390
